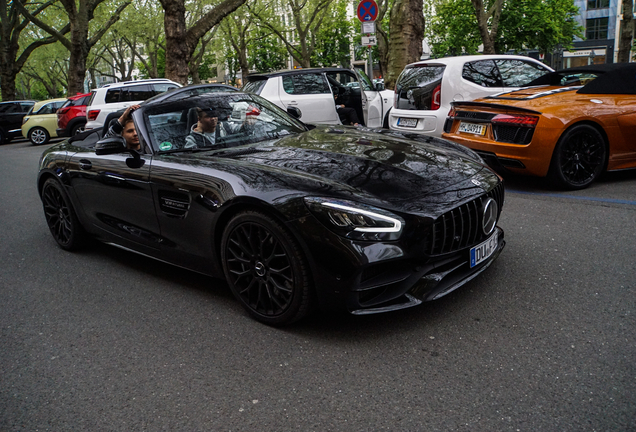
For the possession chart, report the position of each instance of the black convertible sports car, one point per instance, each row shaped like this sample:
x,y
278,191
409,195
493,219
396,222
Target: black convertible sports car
x,y
290,214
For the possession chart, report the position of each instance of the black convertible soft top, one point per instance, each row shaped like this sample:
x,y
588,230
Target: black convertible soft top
x,y
613,78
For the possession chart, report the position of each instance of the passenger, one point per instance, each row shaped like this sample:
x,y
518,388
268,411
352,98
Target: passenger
x,y
348,116
125,127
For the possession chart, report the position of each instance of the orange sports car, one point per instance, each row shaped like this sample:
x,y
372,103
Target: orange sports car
x,y
570,125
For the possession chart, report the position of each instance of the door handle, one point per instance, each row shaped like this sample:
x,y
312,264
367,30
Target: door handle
x,y
85,164
293,103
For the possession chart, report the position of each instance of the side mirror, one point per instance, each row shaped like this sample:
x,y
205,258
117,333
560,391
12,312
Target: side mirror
x,y
110,145
294,112
379,86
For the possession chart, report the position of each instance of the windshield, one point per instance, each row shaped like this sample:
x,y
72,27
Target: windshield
x,y
215,121
254,86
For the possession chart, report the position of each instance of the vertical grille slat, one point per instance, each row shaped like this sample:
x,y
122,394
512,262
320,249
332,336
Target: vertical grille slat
x,y
460,227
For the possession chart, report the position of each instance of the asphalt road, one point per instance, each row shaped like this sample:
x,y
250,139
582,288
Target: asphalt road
x,y
545,340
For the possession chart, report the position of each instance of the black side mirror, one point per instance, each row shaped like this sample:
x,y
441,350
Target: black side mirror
x,y
379,86
294,112
110,145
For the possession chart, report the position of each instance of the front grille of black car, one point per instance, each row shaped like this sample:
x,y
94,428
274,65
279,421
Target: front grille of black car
x,y
512,134
461,227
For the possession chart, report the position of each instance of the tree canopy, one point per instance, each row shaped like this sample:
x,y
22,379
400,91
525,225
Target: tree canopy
x,y
522,25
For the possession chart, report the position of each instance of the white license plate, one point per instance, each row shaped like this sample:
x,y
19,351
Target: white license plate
x,y
407,122
472,128
482,251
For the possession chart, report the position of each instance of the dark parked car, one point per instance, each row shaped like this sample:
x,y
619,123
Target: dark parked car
x,y
11,115
71,117
291,215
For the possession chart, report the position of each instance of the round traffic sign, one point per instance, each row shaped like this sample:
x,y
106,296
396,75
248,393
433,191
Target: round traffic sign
x,y
367,10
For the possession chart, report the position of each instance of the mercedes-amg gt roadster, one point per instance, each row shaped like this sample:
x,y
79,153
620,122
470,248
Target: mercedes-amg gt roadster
x,y
291,215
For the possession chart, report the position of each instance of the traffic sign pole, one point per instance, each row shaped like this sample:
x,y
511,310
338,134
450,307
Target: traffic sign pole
x,y
367,14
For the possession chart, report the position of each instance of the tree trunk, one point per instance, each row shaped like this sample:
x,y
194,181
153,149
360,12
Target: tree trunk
x,y
178,52
7,79
626,35
181,42
78,54
407,32
488,22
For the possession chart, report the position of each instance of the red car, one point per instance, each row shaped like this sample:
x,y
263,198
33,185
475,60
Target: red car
x,y
71,117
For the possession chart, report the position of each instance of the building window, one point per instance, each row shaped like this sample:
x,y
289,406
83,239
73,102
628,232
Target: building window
x,y
596,28
598,4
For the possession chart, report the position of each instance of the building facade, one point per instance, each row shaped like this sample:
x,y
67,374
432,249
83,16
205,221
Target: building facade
x,y
601,22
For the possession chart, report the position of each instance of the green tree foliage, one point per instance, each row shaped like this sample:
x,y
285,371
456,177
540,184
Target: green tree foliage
x,y
47,71
266,51
296,23
83,34
18,40
524,24
542,25
452,28
334,38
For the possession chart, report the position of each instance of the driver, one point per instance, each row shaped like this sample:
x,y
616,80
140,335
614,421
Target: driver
x,y
207,130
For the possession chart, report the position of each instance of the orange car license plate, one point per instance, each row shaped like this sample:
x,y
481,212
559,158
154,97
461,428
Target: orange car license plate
x,y
472,128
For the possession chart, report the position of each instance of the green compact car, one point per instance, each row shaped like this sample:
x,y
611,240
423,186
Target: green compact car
x,y
40,124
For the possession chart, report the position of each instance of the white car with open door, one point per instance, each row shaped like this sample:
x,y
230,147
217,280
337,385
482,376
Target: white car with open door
x,y
312,92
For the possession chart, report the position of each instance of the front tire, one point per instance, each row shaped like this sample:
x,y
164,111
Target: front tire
x,y
266,268
60,216
578,158
38,136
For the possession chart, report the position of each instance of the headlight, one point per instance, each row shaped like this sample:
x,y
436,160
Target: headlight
x,y
356,221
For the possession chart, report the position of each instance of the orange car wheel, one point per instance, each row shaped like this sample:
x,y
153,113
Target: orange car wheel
x,y
579,157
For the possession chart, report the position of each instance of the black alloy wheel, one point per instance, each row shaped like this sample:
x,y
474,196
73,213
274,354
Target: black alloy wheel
x,y
579,157
265,268
38,136
60,216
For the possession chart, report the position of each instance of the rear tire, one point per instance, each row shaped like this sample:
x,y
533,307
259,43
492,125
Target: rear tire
x,y
266,268
38,136
579,157
78,128
60,216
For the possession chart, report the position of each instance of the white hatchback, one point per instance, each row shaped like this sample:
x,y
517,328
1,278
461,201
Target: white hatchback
x,y
118,96
425,90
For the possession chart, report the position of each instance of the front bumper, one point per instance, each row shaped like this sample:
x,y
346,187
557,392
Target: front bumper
x,y
426,282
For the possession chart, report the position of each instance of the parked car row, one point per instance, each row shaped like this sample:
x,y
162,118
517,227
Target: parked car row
x,y
41,121
525,117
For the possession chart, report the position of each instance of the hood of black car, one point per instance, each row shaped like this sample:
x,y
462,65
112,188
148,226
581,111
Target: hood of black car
x,y
351,163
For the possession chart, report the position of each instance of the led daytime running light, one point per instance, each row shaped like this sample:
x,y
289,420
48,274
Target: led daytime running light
x,y
397,225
